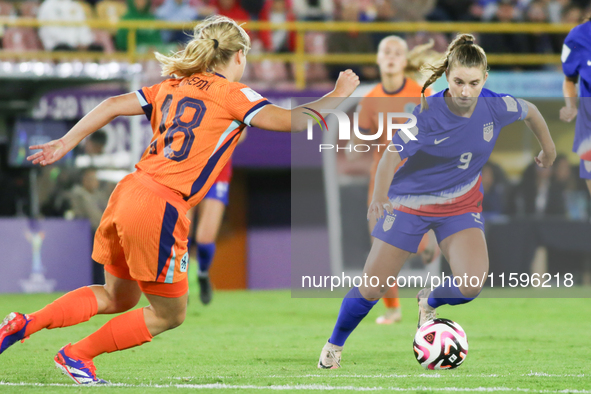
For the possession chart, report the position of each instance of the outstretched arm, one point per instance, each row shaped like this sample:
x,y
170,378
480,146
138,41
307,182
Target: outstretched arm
x,y
105,112
384,174
569,89
275,118
536,123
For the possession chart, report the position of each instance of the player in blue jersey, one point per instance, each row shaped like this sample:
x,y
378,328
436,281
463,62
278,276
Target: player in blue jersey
x,y
437,188
576,65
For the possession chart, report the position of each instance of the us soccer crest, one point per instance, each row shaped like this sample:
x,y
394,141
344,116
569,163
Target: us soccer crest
x,y
388,222
487,131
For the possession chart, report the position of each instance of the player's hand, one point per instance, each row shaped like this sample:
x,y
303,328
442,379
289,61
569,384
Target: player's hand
x,y
544,159
51,152
346,84
377,207
567,114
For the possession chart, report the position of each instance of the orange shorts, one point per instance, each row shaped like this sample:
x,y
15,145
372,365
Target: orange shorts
x,y
143,233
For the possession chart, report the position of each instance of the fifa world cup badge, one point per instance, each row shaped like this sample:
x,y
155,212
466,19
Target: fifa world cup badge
x,y
488,131
388,222
185,262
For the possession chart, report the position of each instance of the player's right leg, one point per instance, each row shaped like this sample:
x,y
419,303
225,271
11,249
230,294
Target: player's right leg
x,y
384,260
167,310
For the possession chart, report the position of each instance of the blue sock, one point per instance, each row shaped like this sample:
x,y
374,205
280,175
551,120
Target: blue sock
x,y
353,309
447,293
205,254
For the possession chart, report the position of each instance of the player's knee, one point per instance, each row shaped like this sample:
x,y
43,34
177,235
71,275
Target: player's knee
x,y
117,303
371,293
123,304
176,319
205,237
470,292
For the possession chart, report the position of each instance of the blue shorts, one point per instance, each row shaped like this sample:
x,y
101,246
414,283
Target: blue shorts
x,y
405,230
585,169
219,191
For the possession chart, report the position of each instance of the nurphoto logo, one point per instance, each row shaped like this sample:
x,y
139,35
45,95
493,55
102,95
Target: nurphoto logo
x,y
408,129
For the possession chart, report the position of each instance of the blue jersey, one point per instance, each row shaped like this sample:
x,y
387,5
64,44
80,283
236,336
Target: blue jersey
x,y
576,62
442,174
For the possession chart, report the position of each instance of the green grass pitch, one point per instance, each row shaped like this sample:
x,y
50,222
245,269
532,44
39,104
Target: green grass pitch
x,y
264,341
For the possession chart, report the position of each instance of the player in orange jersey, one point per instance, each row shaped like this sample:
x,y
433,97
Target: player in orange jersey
x,y
397,92
209,214
197,118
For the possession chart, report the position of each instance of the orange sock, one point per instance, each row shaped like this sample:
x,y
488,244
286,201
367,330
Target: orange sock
x,y
122,332
72,308
391,298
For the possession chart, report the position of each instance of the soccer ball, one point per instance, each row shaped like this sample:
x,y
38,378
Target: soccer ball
x,y
440,344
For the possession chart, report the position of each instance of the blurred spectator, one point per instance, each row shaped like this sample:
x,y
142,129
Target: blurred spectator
x,y
494,184
7,9
232,9
88,203
58,202
253,7
411,11
66,38
21,39
139,10
542,191
85,199
96,143
570,14
93,147
92,153
538,42
505,42
556,9
450,10
281,40
351,42
313,10
176,11
29,8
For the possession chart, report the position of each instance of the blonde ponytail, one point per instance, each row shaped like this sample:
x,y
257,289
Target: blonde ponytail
x,y
461,51
214,42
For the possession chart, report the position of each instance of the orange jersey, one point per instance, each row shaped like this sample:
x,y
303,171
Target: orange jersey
x,y
378,100
197,122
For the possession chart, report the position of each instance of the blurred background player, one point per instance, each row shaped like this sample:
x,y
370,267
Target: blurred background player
x,y
439,188
396,92
576,66
142,238
209,215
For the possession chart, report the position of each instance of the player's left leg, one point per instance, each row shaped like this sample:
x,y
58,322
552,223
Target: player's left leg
x,y
211,213
467,254
117,295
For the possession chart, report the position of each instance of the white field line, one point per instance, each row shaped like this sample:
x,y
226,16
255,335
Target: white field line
x,y
306,387
423,375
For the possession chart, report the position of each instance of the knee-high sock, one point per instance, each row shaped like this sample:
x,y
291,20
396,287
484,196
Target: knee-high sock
x,y
447,293
353,309
391,298
122,332
205,254
72,308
